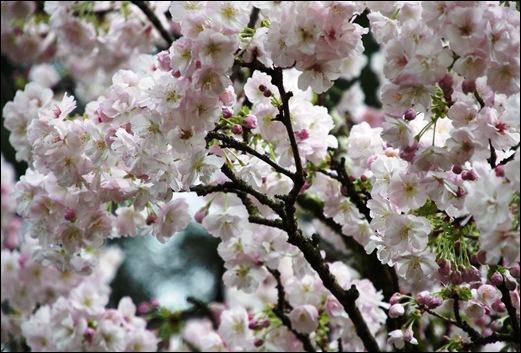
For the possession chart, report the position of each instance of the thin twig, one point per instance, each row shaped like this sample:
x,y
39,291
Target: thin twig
x,y
155,21
299,177
494,337
473,334
202,306
345,180
229,187
308,346
228,141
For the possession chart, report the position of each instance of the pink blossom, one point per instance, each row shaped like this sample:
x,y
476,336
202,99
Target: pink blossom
x,y
304,318
172,217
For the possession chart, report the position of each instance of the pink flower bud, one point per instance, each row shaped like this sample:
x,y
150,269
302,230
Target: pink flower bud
x,y
457,169
143,308
253,325
514,271
499,306
474,275
228,97
460,192
482,257
395,298
500,171
496,279
396,310
511,285
455,277
199,215
486,332
469,175
250,121
482,321
445,267
89,334
164,60
409,153
446,84
267,93
468,86
70,214
227,112
155,303
496,325
237,129
408,335
409,115
435,302
424,298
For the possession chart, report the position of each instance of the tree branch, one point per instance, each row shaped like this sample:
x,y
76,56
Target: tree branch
x,y
493,156
202,306
254,214
299,177
383,277
512,312
494,337
287,213
346,297
344,179
243,186
155,21
254,16
241,146
473,334
280,310
302,338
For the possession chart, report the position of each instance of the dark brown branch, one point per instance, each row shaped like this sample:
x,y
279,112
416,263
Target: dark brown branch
x,y
494,337
512,156
254,16
493,156
383,277
243,186
254,216
479,99
346,297
345,180
155,21
308,346
512,312
473,334
282,303
299,177
280,311
228,141
202,306
286,211
229,187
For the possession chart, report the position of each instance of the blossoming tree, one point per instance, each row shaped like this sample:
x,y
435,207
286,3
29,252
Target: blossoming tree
x,y
414,234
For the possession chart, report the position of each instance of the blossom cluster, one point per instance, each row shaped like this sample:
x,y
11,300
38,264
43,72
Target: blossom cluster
x,y
62,311
428,187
